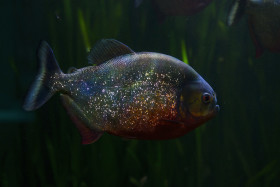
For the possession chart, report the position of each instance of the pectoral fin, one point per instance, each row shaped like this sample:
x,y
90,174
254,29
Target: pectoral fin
x,y
167,129
167,122
77,115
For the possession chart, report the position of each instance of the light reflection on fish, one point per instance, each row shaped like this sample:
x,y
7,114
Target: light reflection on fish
x,y
263,21
133,95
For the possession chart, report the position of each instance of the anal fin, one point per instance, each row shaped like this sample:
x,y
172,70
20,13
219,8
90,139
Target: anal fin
x,y
77,116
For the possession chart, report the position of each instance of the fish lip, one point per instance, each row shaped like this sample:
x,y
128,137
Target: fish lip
x,y
217,109
214,112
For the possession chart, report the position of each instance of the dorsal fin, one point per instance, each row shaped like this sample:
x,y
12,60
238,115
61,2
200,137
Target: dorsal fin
x,y
72,70
107,49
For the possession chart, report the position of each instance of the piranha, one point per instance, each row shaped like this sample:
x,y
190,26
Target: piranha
x,y
178,7
142,95
263,21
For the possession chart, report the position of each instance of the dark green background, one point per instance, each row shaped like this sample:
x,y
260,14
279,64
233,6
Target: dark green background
x,y
240,147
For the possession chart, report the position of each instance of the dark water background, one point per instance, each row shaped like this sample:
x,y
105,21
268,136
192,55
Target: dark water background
x,y
240,147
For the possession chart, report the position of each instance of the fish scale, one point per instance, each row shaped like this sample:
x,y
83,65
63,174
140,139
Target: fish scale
x,y
126,93
135,95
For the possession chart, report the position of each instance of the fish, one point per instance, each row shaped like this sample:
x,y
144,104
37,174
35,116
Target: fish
x,y
178,7
143,95
263,21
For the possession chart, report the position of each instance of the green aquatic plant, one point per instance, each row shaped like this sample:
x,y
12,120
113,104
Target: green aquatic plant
x,y
84,30
238,148
184,52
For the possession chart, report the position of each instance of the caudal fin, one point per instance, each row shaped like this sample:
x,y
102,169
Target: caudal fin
x,y
41,89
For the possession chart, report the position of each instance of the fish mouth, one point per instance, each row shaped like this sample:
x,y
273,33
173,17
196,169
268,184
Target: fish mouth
x,y
214,112
217,109
201,119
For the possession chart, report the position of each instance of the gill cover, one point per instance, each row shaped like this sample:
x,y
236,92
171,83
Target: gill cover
x,y
197,99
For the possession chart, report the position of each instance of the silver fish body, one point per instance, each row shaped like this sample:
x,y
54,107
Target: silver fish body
x,y
135,95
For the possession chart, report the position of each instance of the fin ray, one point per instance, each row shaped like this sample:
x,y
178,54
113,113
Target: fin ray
x,y
106,49
76,114
40,90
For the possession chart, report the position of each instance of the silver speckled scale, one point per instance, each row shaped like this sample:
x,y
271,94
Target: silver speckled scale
x,y
130,92
133,95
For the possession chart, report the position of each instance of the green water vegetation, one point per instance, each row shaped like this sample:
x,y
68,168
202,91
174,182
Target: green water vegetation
x,y
240,147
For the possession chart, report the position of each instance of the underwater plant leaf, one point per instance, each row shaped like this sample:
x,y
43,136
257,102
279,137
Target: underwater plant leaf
x,y
184,52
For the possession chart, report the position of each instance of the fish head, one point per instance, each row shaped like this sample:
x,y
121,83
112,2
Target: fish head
x,y
197,102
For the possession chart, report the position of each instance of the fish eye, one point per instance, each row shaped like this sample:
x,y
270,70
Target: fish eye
x,y
206,97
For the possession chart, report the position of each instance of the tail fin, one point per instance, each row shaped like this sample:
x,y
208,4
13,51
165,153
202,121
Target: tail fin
x,y
41,91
